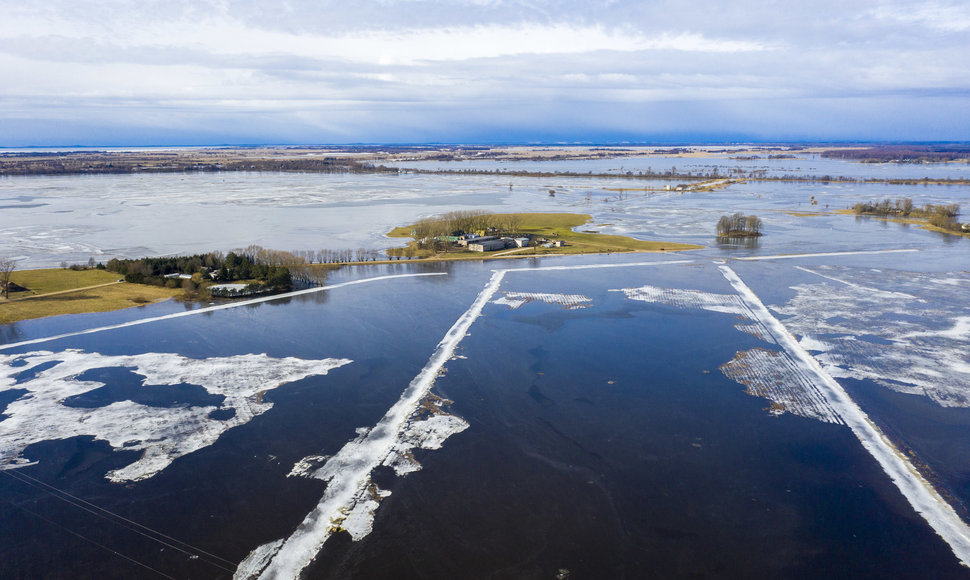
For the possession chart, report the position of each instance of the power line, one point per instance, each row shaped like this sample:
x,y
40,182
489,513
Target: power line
x,y
140,529
86,539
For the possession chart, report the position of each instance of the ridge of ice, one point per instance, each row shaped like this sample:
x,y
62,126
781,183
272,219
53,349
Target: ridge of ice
x,y
920,493
351,497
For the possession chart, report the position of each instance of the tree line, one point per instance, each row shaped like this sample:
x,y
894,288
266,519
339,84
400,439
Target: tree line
x,y
903,153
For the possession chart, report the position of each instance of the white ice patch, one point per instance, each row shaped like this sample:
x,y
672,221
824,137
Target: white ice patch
x,y
774,376
307,465
913,338
726,303
162,434
570,301
809,342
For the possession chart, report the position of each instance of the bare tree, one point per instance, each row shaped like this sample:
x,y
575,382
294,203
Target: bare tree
x,y
7,266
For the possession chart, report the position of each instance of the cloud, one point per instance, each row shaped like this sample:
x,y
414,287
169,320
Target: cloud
x,y
934,15
340,66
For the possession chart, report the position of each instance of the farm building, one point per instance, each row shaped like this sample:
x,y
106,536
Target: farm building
x,y
486,245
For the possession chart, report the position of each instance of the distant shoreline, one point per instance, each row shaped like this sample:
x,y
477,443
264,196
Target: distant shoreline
x,y
385,160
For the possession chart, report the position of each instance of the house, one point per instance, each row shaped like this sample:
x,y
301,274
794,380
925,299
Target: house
x,y
522,242
467,239
487,245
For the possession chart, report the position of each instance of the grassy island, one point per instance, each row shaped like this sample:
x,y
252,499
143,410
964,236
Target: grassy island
x,y
451,237
938,218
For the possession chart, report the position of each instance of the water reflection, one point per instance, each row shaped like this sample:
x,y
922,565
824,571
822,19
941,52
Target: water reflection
x,y
9,333
746,243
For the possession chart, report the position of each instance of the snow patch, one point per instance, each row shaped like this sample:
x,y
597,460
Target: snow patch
x,y
307,465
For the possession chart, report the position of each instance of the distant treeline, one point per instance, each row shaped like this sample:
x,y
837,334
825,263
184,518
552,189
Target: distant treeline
x,y
715,173
87,162
942,216
903,153
73,163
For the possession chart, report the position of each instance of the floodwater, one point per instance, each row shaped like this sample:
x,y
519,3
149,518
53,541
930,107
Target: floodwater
x,y
52,219
699,414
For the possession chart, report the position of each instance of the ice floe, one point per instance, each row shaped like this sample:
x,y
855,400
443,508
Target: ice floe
x,y
910,335
570,301
162,434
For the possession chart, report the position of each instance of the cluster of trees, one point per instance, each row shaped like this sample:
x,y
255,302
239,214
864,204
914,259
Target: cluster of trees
x,y
941,216
253,263
739,225
91,265
428,232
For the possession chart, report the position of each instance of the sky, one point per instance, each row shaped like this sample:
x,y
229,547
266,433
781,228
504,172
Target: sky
x,y
190,72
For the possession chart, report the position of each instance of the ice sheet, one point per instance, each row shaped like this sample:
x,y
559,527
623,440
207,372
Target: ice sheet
x,y
897,328
162,434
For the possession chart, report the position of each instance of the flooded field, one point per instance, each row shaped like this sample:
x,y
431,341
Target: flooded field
x,y
797,408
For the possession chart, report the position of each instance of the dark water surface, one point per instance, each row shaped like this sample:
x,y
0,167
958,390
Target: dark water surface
x,y
603,442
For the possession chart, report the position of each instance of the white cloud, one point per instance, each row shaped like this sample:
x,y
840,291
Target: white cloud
x,y
936,15
183,61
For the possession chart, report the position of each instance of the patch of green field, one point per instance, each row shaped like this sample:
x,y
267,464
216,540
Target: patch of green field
x,y
57,291
58,279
